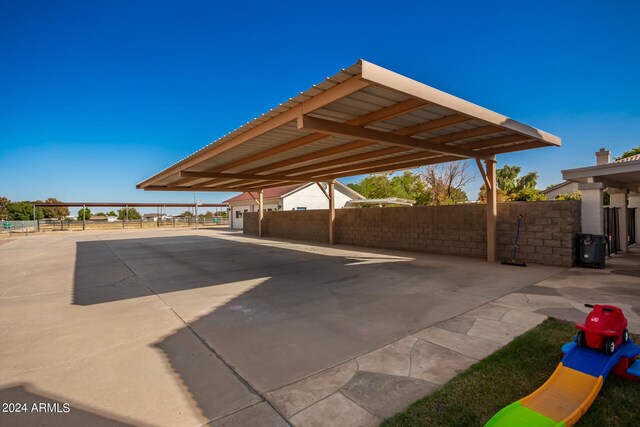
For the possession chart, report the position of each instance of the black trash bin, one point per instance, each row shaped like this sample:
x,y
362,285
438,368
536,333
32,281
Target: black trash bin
x,y
592,249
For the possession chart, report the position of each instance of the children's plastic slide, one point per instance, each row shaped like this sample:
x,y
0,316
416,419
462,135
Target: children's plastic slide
x,y
572,388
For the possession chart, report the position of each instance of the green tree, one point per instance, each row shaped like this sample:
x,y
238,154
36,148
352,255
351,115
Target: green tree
x,y
57,212
575,195
376,186
528,195
187,214
512,186
112,213
408,185
629,153
4,203
131,213
20,211
84,213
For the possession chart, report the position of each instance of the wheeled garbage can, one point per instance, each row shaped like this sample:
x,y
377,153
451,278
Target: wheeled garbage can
x,y
592,249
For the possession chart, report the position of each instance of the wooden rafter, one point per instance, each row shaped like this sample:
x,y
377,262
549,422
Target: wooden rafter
x,y
442,122
239,176
385,113
345,160
326,126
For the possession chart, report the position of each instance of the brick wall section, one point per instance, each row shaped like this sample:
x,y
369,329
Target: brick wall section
x,y
312,225
547,234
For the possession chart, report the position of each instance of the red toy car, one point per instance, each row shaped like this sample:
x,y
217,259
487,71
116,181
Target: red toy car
x,y
605,329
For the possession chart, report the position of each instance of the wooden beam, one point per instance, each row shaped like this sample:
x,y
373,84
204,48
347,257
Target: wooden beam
x,y
384,113
332,212
298,142
260,212
323,190
164,188
492,212
515,147
240,176
344,160
312,156
415,157
434,124
484,175
326,126
389,167
489,142
339,91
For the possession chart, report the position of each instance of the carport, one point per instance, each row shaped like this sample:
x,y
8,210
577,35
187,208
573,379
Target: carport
x,y
365,119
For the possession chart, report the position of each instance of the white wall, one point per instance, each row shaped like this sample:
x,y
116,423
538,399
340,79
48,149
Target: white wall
x,y
311,197
565,189
237,223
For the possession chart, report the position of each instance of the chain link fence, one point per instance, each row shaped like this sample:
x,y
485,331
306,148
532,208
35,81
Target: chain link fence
x,y
10,227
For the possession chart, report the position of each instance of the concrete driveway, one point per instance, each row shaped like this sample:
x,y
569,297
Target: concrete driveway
x,y
190,327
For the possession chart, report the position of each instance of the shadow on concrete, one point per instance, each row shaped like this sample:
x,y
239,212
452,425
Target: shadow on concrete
x,y
104,270
45,410
277,314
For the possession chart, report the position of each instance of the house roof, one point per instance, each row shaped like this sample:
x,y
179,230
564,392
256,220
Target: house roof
x,y
621,174
365,119
269,193
629,159
278,192
557,186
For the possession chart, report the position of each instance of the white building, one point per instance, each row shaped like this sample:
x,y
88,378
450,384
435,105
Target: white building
x,y
300,197
622,179
566,187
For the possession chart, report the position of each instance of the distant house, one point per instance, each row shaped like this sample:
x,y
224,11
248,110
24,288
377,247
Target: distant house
x,y
292,197
154,217
97,217
566,187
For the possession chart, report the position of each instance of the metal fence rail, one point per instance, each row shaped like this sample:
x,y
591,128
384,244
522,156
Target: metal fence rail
x,y
65,225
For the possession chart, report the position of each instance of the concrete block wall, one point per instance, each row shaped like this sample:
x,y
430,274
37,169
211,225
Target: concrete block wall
x,y
547,234
451,230
311,225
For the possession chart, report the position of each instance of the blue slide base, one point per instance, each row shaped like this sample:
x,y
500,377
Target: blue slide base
x,y
596,363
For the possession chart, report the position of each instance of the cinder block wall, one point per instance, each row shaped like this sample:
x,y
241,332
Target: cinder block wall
x,y
547,234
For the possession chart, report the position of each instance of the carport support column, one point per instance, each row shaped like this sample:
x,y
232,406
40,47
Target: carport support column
x,y
260,212
592,215
332,212
492,211
634,202
619,200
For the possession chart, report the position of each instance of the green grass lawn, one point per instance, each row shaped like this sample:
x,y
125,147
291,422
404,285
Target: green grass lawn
x,y
511,373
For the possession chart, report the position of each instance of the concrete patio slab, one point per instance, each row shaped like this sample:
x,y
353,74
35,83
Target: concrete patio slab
x,y
296,397
468,345
384,395
162,327
392,359
437,364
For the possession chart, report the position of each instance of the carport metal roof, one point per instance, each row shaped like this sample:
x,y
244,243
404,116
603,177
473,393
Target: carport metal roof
x,y
364,119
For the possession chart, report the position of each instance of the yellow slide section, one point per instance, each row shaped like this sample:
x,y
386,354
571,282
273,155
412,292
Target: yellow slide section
x,y
566,395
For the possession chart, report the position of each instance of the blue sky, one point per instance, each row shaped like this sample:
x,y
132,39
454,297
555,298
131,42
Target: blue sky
x,y
97,96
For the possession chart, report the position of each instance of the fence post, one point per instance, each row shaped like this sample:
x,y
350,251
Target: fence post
x,y
84,217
